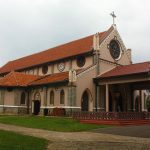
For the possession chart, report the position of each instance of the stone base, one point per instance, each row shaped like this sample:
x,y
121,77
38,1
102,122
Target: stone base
x,y
13,110
67,110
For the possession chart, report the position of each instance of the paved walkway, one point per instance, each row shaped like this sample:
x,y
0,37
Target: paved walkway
x,y
142,131
83,140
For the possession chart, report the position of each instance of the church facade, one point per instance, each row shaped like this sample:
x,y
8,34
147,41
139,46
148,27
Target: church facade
x,y
89,74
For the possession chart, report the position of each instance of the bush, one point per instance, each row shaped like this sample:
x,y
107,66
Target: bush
x,y
148,103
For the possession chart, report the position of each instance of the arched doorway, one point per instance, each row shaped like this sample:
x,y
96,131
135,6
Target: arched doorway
x,y
85,101
36,103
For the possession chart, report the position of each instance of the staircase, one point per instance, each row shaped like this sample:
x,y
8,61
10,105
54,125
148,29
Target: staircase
x,y
116,122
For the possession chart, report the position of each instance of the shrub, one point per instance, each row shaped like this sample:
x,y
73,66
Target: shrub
x,y
148,103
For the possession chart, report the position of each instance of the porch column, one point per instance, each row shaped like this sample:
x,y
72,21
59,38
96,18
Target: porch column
x,y
107,97
142,101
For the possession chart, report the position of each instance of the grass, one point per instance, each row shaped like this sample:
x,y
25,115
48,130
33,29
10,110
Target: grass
x,y
15,141
48,123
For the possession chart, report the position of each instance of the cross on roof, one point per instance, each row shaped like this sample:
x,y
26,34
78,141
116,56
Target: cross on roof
x,y
113,16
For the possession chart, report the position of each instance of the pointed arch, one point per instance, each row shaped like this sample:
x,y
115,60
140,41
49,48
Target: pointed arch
x,y
37,96
51,97
62,97
85,100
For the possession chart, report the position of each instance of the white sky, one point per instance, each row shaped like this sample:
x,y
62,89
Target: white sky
x,y
29,26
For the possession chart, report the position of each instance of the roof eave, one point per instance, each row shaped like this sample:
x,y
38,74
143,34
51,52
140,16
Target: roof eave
x,y
118,76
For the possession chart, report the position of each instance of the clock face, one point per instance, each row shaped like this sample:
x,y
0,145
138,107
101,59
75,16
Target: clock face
x,y
114,49
61,66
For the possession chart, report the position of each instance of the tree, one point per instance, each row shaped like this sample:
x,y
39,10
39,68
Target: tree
x,y
148,103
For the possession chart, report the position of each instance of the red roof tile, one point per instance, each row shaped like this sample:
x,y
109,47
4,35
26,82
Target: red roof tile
x,y
73,48
127,70
15,79
54,78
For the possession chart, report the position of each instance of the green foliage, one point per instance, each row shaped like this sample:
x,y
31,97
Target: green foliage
x,y
48,123
15,141
148,103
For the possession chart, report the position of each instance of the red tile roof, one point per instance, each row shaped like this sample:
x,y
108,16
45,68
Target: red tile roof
x,y
73,48
54,78
15,79
127,70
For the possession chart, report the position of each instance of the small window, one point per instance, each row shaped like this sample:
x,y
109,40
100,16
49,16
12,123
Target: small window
x,y
45,69
52,98
62,97
23,98
80,61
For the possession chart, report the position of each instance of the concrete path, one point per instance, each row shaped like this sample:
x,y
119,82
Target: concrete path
x,y
83,140
132,131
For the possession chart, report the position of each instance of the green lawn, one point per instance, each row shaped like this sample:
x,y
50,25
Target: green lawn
x,y
48,123
14,141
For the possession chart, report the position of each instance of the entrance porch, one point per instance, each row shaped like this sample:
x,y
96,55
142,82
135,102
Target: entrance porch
x,y
123,89
123,97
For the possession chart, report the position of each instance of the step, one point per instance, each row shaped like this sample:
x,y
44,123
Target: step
x,y
116,122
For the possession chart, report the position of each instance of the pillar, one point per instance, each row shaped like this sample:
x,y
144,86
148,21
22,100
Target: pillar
x,y
107,98
72,96
142,101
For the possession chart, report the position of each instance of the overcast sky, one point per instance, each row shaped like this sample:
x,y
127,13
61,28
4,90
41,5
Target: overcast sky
x,y
29,26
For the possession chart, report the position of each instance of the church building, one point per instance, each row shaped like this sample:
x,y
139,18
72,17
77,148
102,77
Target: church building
x,y
94,73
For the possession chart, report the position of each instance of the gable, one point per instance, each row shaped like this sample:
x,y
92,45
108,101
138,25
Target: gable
x,y
124,59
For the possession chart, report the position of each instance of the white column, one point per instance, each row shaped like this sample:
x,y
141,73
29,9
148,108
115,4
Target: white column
x,y
107,98
142,100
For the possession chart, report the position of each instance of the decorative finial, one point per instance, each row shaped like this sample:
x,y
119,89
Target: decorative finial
x,y
113,16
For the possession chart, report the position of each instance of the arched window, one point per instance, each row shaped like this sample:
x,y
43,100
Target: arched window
x,y
45,69
81,61
52,98
62,97
23,98
37,96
